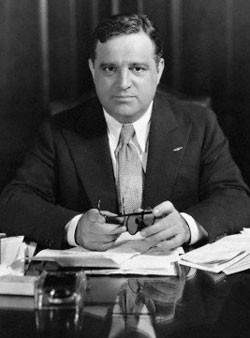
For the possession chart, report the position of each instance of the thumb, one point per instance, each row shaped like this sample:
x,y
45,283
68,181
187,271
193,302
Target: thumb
x,y
163,209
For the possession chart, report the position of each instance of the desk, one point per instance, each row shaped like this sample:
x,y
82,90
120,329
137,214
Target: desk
x,y
190,306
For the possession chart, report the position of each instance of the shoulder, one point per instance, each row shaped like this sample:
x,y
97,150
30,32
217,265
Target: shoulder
x,y
186,109
85,119
81,113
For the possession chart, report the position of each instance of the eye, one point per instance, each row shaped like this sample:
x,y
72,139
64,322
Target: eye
x,y
109,69
137,69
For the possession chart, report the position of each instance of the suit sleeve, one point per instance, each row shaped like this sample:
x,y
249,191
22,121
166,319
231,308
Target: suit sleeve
x,y
224,204
29,204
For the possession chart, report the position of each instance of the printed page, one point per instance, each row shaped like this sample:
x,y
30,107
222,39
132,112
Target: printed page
x,y
131,254
217,256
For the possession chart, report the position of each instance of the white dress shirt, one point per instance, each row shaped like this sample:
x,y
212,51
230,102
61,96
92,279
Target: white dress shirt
x,y
141,127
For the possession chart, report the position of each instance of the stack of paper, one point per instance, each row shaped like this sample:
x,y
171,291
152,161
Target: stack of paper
x,y
130,255
10,247
13,254
230,254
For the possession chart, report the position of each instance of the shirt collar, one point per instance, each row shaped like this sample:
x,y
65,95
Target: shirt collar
x,y
141,127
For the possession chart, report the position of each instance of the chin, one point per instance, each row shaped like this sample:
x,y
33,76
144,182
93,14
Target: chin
x,y
122,113
127,117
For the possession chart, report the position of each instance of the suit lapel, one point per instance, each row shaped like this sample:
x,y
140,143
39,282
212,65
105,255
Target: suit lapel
x,y
89,148
90,152
167,142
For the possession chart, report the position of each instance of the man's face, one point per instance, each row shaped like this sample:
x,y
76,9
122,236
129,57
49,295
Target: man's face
x,y
126,75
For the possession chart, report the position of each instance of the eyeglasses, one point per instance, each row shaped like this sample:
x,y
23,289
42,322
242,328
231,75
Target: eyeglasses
x,y
134,221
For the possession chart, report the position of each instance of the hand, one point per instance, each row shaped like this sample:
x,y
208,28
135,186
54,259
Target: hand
x,y
93,233
170,229
163,297
166,291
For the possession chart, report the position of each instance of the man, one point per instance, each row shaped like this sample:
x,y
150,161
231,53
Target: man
x,y
188,176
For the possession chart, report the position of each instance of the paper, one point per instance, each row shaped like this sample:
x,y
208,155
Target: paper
x,y
10,249
241,265
130,255
246,232
131,242
12,279
153,261
230,251
81,257
13,254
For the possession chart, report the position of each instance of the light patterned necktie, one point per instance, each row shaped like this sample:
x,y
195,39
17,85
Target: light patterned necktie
x,y
130,174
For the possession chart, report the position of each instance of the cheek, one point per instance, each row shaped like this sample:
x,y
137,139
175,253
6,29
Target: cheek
x,y
148,86
149,81
103,84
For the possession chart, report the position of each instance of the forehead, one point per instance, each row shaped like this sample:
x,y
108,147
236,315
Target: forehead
x,y
126,47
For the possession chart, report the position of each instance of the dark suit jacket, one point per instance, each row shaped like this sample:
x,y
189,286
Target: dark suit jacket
x,y
69,169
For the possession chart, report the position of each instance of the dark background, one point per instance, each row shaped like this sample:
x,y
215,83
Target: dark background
x,y
44,47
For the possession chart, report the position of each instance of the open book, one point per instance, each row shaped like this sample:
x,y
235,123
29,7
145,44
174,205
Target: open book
x,y
130,255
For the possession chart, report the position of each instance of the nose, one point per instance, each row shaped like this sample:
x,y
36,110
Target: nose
x,y
124,79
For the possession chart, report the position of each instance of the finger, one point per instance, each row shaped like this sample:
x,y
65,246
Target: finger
x,y
149,219
169,227
108,213
109,228
171,243
165,234
116,229
94,216
108,239
163,209
119,230
159,226
95,241
138,210
102,246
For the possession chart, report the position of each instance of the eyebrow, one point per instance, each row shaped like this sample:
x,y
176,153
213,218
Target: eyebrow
x,y
145,64
105,64
136,63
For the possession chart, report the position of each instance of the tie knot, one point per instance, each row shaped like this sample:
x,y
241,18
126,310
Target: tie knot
x,y
127,132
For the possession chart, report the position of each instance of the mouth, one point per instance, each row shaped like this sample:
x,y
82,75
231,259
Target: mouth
x,y
124,98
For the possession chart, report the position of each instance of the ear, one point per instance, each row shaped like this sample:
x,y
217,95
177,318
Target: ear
x,y
92,68
160,69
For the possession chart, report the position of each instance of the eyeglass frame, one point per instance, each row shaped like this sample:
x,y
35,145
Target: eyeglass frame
x,y
125,216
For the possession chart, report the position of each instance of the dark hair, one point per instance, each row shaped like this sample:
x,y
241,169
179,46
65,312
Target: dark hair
x,y
122,24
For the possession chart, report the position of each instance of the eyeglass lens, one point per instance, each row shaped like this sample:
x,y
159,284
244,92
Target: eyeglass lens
x,y
135,223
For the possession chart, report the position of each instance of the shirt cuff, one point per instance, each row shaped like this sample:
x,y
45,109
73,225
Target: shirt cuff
x,y
197,232
70,229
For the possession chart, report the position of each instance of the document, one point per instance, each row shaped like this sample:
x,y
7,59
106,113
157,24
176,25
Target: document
x,y
130,255
10,247
230,254
13,254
